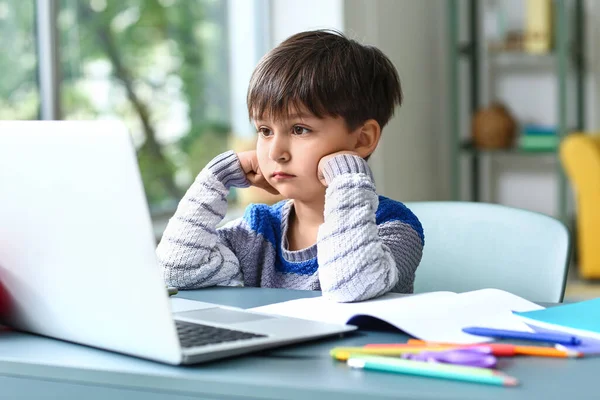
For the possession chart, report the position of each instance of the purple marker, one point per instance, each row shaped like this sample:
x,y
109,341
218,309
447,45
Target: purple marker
x,y
473,357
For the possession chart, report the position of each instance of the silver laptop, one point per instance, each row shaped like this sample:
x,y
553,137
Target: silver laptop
x,y
77,253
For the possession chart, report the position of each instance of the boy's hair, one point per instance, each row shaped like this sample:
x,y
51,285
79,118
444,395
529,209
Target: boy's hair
x,y
328,74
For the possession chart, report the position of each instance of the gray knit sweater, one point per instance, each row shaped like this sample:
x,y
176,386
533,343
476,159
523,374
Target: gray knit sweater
x,y
368,245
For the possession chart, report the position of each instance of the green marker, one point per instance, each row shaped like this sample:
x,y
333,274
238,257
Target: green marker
x,y
172,290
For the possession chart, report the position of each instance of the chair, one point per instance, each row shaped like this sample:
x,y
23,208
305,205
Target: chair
x,y
580,156
470,246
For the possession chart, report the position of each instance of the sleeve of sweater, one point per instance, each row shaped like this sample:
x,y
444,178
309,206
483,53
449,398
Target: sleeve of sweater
x,y
358,259
192,253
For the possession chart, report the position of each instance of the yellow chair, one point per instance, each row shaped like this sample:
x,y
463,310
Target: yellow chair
x,y
580,157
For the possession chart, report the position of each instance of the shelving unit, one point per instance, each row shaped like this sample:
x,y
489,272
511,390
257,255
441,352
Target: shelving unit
x,y
566,58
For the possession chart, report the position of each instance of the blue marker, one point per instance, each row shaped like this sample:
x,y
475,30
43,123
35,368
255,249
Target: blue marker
x,y
550,337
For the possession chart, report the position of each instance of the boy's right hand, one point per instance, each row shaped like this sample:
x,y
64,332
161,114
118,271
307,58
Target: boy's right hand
x,y
249,163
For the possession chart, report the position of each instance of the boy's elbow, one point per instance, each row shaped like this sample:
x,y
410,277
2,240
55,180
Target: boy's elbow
x,y
333,290
174,275
346,296
341,296
407,263
170,277
379,281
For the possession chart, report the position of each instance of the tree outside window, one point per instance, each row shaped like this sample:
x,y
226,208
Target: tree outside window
x,y
161,66
19,93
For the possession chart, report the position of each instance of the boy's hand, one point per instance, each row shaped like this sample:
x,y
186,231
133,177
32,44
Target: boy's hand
x,y
326,158
250,166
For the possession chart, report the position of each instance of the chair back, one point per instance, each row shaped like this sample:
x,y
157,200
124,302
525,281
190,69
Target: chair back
x,y
470,246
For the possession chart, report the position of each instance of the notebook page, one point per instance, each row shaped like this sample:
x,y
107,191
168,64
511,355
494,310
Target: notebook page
x,y
437,316
490,308
321,309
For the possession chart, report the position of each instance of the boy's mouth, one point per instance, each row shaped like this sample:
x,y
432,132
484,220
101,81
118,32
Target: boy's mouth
x,y
281,175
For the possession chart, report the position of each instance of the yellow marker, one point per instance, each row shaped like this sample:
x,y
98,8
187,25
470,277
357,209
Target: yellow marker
x,y
342,353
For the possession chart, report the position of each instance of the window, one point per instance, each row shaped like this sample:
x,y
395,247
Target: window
x,y
19,94
162,67
174,71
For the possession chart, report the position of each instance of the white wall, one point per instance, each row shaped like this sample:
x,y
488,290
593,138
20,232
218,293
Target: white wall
x,y
292,16
406,163
256,26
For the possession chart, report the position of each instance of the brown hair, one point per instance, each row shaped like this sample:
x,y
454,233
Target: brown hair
x,y
328,74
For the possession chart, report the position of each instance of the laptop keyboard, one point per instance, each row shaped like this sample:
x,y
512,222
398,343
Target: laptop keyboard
x,y
193,335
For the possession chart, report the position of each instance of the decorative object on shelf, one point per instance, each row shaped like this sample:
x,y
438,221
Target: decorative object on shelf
x,y
514,41
538,30
493,127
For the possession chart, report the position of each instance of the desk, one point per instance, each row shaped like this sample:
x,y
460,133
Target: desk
x,y
34,367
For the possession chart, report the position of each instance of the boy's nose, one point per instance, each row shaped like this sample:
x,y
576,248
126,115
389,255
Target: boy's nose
x,y
279,151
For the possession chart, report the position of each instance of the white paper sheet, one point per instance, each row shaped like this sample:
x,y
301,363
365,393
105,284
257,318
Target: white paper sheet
x,y
436,316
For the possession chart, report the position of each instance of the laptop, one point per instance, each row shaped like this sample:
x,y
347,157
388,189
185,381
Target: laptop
x,y
77,253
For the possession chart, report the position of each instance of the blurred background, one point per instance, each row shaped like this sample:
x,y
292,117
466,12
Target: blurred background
x,y
492,87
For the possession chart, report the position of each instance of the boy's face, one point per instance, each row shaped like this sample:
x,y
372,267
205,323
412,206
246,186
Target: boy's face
x,y
289,151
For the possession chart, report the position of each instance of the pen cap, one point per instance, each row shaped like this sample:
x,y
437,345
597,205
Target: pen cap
x,y
503,350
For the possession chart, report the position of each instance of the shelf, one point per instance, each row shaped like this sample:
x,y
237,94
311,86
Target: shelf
x,y
478,55
468,147
521,59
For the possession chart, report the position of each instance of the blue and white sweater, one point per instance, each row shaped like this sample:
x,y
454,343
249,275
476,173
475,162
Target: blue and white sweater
x,y
367,246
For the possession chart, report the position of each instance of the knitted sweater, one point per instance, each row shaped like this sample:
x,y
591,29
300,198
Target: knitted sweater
x,y
367,246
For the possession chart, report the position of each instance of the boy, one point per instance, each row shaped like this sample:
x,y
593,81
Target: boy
x,y
318,102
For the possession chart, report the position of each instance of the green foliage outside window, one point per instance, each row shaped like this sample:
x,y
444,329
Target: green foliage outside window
x,y
159,65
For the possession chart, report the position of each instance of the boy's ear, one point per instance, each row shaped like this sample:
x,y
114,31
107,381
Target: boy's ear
x,y
368,138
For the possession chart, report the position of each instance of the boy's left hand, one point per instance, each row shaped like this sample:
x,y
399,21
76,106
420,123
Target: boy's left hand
x,y
328,157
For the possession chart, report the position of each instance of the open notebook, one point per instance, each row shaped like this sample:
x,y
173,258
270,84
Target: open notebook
x,y
435,316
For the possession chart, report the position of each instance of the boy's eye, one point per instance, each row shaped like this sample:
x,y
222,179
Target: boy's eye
x,y
264,132
300,130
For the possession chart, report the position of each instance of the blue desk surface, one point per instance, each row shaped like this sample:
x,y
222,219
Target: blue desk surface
x,y
36,367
